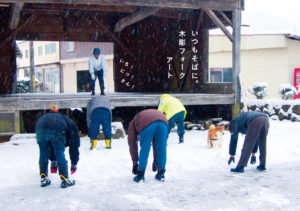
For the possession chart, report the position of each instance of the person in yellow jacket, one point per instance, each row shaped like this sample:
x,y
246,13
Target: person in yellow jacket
x,y
175,112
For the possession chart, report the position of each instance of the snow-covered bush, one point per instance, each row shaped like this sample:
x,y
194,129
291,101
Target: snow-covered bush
x,y
23,85
287,91
259,89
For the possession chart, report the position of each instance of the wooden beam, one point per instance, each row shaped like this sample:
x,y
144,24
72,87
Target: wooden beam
x,y
225,18
84,7
200,18
15,15
4,5
36,101
236,56
224,5
114,38
15,32
136,17
219,23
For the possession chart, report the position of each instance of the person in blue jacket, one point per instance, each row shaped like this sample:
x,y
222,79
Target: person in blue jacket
x,y
55,132
255,125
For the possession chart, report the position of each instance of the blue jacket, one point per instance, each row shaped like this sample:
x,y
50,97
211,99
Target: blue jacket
x,y
240,125
59,127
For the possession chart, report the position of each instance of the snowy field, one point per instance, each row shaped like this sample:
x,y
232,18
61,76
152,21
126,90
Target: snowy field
x,y
197,178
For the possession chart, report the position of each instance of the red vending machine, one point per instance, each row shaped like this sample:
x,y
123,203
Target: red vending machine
x,y
297,81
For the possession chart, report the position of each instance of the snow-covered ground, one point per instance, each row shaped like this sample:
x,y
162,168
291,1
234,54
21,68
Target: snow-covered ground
x,y
197,178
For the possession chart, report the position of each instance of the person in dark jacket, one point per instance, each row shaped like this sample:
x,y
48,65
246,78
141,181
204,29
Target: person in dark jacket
x,y
98,112
54,132
255,125
147,126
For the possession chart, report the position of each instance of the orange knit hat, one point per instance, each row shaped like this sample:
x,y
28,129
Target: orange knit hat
x,y
54,108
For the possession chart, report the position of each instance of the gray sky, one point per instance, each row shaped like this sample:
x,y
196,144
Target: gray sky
x,y
272,16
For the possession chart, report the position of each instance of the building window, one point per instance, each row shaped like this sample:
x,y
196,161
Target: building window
x,y
40,50
26,53
220,75
53,47
70,46
26,73
47,49
50,48
83,83
39,75
52,80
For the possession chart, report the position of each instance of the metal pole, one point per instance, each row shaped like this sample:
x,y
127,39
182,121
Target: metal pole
x,y
32,76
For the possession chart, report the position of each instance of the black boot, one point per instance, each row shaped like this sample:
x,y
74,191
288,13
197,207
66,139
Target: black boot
x,y
93,92
261,168
102,92
139,176
181,141
65,182
45,181
238,170
160,175
63,173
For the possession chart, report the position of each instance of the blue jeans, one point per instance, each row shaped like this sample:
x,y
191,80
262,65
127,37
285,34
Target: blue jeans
x,y
98,74
58,148
100,116
179,119
157,130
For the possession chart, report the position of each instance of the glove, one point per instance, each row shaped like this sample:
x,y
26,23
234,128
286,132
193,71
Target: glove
x,y
253,160
231,159
73,168
93,76
53,168
154,166
135,167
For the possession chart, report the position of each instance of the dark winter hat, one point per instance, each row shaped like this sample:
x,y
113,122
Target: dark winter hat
x,y
96,51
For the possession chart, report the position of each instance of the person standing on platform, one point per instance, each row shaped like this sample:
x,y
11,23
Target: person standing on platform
x,y
54,132
98,112
256,126
175,112
97,68
148,126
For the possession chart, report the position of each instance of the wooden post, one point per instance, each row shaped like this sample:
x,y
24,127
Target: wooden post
x,y
236,58
31,62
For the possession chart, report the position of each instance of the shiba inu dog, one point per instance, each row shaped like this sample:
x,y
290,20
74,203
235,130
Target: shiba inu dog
x,y
215,136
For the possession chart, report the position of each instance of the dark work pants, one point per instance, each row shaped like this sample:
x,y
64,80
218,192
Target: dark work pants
x,y
100,116
257,131
179,119
47,147
98,74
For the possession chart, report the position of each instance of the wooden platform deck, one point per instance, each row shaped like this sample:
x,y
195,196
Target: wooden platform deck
x,y
41,101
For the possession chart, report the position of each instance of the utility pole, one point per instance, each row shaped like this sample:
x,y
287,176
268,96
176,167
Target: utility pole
x,y
31,62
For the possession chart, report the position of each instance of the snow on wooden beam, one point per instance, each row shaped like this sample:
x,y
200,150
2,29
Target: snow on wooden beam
x,y
136,17
224,5
15,15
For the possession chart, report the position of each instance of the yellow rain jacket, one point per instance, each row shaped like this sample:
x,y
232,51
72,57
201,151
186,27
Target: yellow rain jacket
x,y
170,106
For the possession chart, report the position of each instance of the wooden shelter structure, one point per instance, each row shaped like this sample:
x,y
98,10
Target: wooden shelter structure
x,y
160,45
